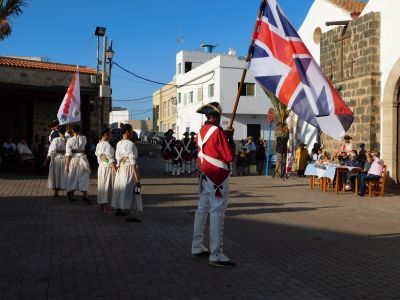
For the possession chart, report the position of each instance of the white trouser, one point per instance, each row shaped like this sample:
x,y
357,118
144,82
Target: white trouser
x,y
168,165
216,206
183,166
176,169
193,166
188,166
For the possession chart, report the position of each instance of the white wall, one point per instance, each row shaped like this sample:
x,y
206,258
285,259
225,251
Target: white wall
x,y
119,116
224,71
320,12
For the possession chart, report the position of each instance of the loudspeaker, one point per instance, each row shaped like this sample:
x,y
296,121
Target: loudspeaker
x,y
281,144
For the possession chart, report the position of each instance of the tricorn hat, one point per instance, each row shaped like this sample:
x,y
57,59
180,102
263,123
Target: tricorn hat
x,y
186,133
210,108
193,133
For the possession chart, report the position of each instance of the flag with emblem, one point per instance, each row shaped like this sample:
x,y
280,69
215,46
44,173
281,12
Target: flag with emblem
x,y
70,109
281,63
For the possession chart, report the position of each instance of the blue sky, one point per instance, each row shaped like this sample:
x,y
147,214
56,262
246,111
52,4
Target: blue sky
x,y
144,35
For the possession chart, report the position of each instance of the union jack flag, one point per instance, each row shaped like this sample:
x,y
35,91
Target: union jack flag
x,y
281,63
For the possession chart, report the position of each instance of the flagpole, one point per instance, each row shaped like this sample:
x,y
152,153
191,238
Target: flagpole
x,y
248,58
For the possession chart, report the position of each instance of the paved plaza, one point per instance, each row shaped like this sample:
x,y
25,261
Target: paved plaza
x,y
289,242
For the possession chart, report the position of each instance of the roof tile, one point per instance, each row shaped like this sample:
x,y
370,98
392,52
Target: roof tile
x,y
350,5
31,64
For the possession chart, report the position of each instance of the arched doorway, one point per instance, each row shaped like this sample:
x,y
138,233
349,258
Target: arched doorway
x,y
390,122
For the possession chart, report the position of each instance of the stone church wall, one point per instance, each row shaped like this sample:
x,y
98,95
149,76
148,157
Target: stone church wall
x,y
353,66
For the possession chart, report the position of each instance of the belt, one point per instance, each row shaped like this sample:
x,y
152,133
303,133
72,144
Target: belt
x,y
76,151
104,158
124,160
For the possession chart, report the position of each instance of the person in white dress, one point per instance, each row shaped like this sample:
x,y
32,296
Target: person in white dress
x,y
106,172
57,179
77,165
127,177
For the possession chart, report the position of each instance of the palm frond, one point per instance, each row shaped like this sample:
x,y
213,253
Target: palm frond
x,y
12,8
282,112
5,29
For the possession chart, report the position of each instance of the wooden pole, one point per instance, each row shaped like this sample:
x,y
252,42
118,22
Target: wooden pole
x,y
248,58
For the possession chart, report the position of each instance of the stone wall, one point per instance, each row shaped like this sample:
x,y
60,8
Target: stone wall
x,y
354,70
42,91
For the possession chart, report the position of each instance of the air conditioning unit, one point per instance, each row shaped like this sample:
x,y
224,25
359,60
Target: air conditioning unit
x,y
105,91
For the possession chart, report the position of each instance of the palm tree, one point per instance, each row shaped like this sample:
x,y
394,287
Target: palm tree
x,y
9,9
282,114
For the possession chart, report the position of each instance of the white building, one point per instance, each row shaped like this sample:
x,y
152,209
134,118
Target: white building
x,y
206,77
118,115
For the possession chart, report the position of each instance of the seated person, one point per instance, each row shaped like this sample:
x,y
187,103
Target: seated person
x,y
35,145
368,162
374,173
326,158
351,161
362,154
342,158
23,150
9,146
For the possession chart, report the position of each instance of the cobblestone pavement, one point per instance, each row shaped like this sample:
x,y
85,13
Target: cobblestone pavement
x,y
290,242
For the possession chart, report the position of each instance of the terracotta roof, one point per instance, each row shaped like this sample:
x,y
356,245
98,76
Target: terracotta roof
x,y
31,64
350,5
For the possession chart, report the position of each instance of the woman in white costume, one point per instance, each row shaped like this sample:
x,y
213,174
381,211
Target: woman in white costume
x,y
57,179
106,172
124,197
77,165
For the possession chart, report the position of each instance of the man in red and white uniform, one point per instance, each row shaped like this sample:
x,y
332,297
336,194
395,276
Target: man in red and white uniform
x,y
193,150
166,149
177,160
216,150
187,154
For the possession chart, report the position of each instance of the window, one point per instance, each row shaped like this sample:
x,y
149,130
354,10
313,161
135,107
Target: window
x,y
211,91
317,35
200,94
190,97
179,98
184,99
188,66
169,108
164,105
179,68
248,89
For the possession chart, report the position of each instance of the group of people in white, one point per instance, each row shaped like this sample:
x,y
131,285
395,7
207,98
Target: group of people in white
x,y
118,183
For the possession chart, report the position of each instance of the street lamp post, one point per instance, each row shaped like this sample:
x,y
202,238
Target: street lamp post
x,y
100,31
110,54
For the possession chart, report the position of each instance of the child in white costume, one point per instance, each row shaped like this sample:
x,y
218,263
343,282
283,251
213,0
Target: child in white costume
x,y
77,165
124,197
106,172
57,179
